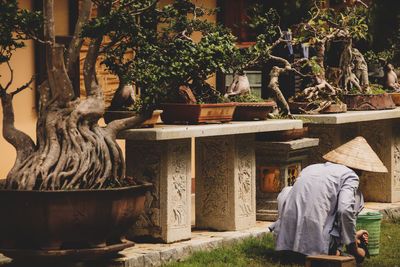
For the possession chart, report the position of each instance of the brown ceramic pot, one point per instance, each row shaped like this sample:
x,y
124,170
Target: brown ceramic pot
x,y
197,113
111,115
65,219
369,102
252,111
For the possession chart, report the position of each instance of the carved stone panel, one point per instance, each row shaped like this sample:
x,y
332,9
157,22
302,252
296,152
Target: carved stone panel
x,y
166,164
143,162
246,175
214,164
178,195
329,138
396,161
225,182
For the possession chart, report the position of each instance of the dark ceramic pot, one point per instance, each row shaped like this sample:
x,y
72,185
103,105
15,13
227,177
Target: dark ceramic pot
x,y
252,111
369,102
65,219
111,115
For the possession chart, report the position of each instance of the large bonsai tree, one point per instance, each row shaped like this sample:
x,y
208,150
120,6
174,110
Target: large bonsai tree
x,y
71,150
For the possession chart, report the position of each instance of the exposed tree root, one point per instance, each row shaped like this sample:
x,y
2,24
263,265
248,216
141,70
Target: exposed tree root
x,y
75,152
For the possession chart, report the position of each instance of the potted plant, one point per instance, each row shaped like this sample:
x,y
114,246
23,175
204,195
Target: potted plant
x,y
250,107
171,66
122,108
75,169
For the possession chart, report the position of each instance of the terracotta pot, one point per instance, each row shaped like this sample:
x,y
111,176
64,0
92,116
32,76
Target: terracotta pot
x,y
395,98
111,115
298,107
369,102
252,111
65,219
197,113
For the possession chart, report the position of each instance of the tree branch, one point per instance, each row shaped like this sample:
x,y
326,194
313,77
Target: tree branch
x,y
22,143
76,42
27,85
11,74
59,82
114,127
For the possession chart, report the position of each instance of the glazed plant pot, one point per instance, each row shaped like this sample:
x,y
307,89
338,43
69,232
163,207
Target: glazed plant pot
x,y
395,98
111,115
253,111
368,102
68,219
197,113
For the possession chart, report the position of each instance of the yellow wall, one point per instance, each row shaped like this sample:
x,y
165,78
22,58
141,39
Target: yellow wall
x,y
24,103
196,36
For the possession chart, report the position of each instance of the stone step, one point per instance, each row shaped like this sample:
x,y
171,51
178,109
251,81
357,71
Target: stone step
x,y
267,215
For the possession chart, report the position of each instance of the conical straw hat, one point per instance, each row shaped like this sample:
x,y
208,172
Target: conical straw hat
x,y
356,154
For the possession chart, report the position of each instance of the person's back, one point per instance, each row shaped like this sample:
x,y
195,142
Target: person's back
x,y
308,214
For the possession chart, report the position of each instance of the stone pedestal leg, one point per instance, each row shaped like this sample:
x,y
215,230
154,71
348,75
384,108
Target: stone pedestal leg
x,y
396,161
225,182
166,164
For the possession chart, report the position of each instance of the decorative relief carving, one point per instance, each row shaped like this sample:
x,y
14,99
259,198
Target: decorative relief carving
x,y
245,171
396,167
179,186
326,135
214,171
146,159
376,133
396,156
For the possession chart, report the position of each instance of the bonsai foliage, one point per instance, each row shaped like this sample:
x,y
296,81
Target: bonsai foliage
x,y
166,55
71,150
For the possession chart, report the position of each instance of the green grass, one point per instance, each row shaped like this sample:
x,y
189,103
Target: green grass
x,y
389,247
256,253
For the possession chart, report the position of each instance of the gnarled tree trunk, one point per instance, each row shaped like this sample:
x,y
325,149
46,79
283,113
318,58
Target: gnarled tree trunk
x,y
72,150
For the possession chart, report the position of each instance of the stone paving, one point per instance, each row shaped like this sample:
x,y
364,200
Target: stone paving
x,y
146,254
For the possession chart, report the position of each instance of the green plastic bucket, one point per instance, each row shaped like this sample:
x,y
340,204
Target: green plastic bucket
x,y
372,223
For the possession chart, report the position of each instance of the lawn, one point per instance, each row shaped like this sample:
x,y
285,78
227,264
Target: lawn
x,y
257,253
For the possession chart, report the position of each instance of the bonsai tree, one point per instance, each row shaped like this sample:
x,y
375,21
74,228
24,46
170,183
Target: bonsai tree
x,y
327,27
71,150
168,61
269,35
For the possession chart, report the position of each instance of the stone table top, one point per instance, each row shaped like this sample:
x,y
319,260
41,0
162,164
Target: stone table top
x,y
167,132
351,116
290,145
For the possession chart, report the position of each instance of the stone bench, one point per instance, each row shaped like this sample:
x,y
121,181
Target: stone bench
x,y
225,175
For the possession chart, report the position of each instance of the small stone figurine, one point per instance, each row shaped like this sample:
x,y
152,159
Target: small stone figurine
x,y
240,85
390,78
